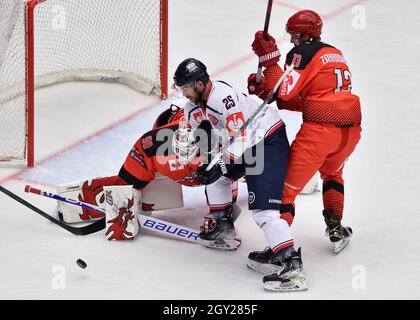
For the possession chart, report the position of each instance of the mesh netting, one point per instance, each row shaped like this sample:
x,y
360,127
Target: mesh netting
x,y
12,75
97,40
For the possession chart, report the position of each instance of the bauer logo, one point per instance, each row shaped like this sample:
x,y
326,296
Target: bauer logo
x,y
170,230
110,78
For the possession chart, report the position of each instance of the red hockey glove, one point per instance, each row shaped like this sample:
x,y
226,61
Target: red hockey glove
x,y
259,89
266,50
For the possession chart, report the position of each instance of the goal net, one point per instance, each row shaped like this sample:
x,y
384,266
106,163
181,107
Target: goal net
x,y
43,42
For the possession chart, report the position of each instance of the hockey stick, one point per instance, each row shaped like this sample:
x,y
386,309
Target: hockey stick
x,y
265,33
80,231
252,117
149,223
51,195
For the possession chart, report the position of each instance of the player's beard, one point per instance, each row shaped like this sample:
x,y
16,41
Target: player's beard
x,y
197,97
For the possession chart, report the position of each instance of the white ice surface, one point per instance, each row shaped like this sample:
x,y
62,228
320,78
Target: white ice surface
x,y
382,176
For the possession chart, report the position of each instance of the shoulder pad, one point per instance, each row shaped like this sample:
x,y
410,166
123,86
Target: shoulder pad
x,y
150,144
306,52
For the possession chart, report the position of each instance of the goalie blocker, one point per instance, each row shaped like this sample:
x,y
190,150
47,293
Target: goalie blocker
x,y
121,212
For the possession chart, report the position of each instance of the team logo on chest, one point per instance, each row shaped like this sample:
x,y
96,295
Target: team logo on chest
x,y
198,117
234,122
213,119
289,83
175,165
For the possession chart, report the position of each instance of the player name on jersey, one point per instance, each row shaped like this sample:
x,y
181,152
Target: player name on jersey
x,y
332,57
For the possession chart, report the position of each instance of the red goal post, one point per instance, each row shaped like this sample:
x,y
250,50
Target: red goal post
x,y
43,42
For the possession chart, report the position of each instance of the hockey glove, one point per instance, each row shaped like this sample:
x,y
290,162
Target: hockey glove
x,y
266,50
260,88
208,177
205,139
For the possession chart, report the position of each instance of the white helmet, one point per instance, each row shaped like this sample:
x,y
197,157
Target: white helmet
x,y
183,144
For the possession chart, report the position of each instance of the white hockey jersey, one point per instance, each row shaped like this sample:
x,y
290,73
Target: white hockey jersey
x,y
228,109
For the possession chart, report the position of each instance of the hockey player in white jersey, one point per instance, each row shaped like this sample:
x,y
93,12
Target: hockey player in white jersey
x,y
263,149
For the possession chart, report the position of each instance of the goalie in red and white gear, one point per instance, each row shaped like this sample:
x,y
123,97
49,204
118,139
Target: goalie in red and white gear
x,y
154,168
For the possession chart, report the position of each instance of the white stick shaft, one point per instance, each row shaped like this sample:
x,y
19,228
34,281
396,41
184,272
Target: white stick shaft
x,y
168,229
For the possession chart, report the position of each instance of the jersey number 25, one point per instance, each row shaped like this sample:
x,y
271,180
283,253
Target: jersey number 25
x,y
229,102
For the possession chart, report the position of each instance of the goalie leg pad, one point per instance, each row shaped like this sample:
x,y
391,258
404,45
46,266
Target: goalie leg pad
x,y
89,191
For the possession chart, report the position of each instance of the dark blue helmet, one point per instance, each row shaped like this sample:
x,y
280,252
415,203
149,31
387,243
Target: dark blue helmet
x,y
189,71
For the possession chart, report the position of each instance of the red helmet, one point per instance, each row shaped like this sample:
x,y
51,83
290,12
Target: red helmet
x,y
305,21
171,114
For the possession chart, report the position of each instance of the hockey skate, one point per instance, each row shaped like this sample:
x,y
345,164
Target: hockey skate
x,y
265,262
291,277
339,235
222,234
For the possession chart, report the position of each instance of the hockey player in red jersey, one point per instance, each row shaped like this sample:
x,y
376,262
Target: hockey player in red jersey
x,y
320,88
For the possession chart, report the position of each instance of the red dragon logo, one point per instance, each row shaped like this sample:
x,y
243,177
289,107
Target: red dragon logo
x,y
92,194
119,224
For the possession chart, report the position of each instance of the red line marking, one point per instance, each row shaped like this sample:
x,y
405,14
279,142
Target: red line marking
x,y
79,142
287,5
38,183
341,9
219,71
325,16
233,64
247,57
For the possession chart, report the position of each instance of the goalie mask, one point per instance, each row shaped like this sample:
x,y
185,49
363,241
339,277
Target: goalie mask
x,y
183,144
189,144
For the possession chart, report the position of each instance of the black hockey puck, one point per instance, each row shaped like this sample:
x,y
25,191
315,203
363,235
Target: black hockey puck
x,y
81,263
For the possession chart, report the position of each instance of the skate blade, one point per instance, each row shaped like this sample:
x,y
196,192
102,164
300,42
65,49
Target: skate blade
x,y
340,245
220,244
290,286
263,268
